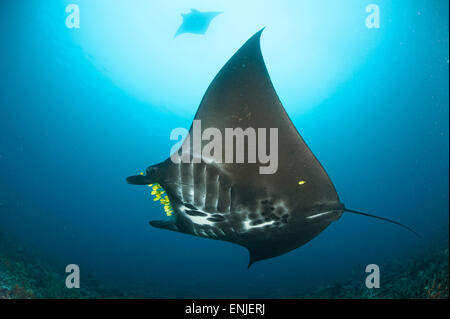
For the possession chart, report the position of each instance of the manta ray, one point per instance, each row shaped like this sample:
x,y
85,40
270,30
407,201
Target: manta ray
x,y
269,214
196,22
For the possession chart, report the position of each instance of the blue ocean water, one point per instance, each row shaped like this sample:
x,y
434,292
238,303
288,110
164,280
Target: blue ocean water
x,y
82,109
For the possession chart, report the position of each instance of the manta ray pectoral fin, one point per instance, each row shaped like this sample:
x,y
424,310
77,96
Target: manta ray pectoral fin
x,y
168,225
255,255
251,260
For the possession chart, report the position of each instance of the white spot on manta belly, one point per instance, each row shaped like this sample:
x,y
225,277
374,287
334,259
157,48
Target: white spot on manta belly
x,y
200,220
319,215
247,225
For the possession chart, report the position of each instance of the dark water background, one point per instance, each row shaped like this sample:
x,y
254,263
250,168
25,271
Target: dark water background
x,y
70,136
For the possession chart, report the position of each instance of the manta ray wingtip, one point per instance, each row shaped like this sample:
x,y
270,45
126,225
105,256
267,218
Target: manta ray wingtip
x,y
256,38
254,43
251,259
258,34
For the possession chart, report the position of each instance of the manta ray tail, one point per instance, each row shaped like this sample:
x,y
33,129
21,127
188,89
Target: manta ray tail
x,y
382,218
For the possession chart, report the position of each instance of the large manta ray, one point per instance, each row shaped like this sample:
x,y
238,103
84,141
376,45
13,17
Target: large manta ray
x,y
269,214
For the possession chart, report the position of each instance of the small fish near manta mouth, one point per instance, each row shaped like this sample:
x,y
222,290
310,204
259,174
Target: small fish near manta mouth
x,y
268,214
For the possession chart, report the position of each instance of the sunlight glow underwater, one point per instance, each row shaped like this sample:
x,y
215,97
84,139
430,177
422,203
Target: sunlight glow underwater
x,y
309,47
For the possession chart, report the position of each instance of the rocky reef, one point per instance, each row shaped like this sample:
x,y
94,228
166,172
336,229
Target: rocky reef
x,y
422,276
24,276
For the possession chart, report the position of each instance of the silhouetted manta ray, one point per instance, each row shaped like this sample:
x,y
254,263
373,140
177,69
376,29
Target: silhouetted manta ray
x,y
196,22
268,214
